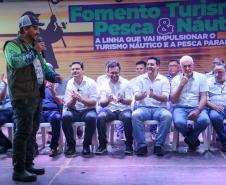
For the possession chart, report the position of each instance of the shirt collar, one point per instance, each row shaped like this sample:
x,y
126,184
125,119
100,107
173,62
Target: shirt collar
x,y
193,75
84,80
158,77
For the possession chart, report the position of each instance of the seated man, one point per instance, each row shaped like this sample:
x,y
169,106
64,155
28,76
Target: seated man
x,y
188,93
217,101
116,103
6,113
51,112
80,101
152,91
214,63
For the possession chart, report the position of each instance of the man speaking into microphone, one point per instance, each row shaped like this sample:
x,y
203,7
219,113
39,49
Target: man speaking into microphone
x,y
27,71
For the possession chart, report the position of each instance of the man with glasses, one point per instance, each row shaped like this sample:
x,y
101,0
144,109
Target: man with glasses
x,y
116,100
173,69
217,101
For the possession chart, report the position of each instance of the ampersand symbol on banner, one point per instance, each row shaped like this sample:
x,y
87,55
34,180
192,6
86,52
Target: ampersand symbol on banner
x,y
164,26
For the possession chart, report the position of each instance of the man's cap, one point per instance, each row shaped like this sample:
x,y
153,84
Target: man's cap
x,y
31,13
29,20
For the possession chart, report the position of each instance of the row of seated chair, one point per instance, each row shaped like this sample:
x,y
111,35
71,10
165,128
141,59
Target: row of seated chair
x,y
209,135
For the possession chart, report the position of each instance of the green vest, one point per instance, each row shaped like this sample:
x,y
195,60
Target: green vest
x,y
22,82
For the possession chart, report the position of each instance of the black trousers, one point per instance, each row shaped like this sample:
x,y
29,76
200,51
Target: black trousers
x,y
106,116
88,116
27,118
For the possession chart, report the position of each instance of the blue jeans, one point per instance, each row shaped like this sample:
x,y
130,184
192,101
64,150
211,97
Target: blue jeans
x,y
54,117
180,123
6,116
162,115
217,119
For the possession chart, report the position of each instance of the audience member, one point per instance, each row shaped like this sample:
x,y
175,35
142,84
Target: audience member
x,y
51,112
217,101
188,93
80,101
152,91
6,113
214,62
116,100
173,69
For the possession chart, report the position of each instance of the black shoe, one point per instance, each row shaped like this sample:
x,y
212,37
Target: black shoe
x,y
142,151
70,151
36,171
86,150
129,150
158,151
3,150
53,153
191,146
223,149
24,176
101,150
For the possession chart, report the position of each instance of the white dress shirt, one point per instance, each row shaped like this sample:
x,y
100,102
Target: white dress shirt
x,y
159,86
120,88
87,89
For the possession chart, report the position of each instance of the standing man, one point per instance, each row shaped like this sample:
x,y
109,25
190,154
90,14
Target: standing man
x,y
51,34
115,100
26,72
80,101
152,91
217,101
188,93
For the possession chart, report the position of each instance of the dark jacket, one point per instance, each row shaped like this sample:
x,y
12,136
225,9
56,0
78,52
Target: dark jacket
x,y
23,81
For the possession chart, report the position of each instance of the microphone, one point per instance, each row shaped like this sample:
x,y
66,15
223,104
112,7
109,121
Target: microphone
x,y
40,39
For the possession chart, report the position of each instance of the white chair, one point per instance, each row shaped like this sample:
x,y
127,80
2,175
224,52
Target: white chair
x,y
176,139
75,126
147,125
111,128
9,127
46,125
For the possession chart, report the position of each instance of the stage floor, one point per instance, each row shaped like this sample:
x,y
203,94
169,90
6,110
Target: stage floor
x,y
174,168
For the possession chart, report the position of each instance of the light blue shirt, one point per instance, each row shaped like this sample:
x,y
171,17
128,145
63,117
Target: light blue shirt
x,y
217,92
38,71
6,103
190,94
